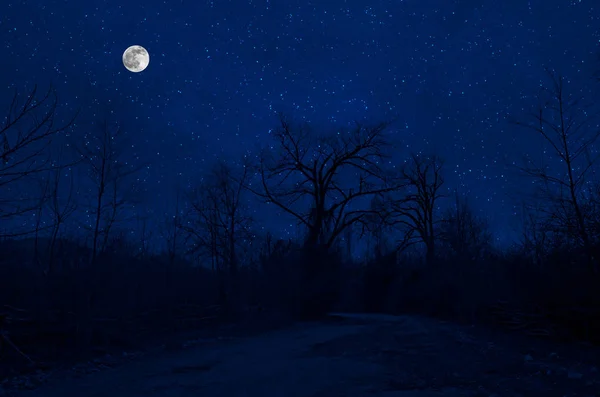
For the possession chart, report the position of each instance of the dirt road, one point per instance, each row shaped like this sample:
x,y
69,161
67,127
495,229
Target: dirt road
x,y
360,356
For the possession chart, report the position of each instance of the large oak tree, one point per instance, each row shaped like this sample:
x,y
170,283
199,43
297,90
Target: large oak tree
x,y
326,181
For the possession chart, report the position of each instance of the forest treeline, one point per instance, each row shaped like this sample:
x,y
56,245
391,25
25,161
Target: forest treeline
x,y
427,251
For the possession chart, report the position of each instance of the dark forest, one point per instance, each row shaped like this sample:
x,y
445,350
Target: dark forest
x,y
107,288
300,198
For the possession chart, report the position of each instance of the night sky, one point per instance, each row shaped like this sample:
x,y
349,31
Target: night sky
x,y
449,71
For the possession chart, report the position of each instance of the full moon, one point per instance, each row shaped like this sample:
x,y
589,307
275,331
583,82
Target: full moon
x,y
136,58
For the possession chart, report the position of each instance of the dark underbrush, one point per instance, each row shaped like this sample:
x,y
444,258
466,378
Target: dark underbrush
x,y
123,303
554,302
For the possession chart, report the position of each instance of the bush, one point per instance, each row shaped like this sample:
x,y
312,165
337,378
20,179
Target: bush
x,y
506,291
120,302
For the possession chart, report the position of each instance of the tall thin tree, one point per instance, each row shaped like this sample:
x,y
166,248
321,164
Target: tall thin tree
x,y
566,127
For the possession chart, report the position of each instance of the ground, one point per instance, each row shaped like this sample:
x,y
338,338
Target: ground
x,y
349,355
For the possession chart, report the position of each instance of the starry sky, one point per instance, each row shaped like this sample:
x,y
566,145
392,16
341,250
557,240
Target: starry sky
x,y
449,71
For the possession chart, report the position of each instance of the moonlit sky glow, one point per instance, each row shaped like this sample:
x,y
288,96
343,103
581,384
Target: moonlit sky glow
x,y
450,71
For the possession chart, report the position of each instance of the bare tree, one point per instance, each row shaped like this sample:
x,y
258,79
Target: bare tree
x,y
415,210
566,127
27,134
464,233
323,181
591,210
51,200
535,236
145,235
171,230
44,187
61,205
108,171
270,250
218,219
375,227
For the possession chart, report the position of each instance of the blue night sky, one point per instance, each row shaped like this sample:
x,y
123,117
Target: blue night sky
x,y
449,71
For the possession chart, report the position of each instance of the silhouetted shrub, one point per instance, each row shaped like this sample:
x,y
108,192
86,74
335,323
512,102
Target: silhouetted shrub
x,y
124,302
560,299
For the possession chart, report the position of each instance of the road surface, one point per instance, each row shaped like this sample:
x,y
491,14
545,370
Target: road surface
x,y
362,355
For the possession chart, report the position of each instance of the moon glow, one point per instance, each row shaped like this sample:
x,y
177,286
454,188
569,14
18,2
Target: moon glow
x,y
136,58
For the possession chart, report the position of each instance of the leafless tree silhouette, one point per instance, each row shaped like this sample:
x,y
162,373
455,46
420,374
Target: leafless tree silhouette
x,y
535,234
218,220
145,235
415,209
171,230
101,154
377,230
26,136
322,181
43,197
467,235
61,205
565,125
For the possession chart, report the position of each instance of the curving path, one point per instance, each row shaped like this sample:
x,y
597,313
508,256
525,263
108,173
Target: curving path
x,y
361,355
